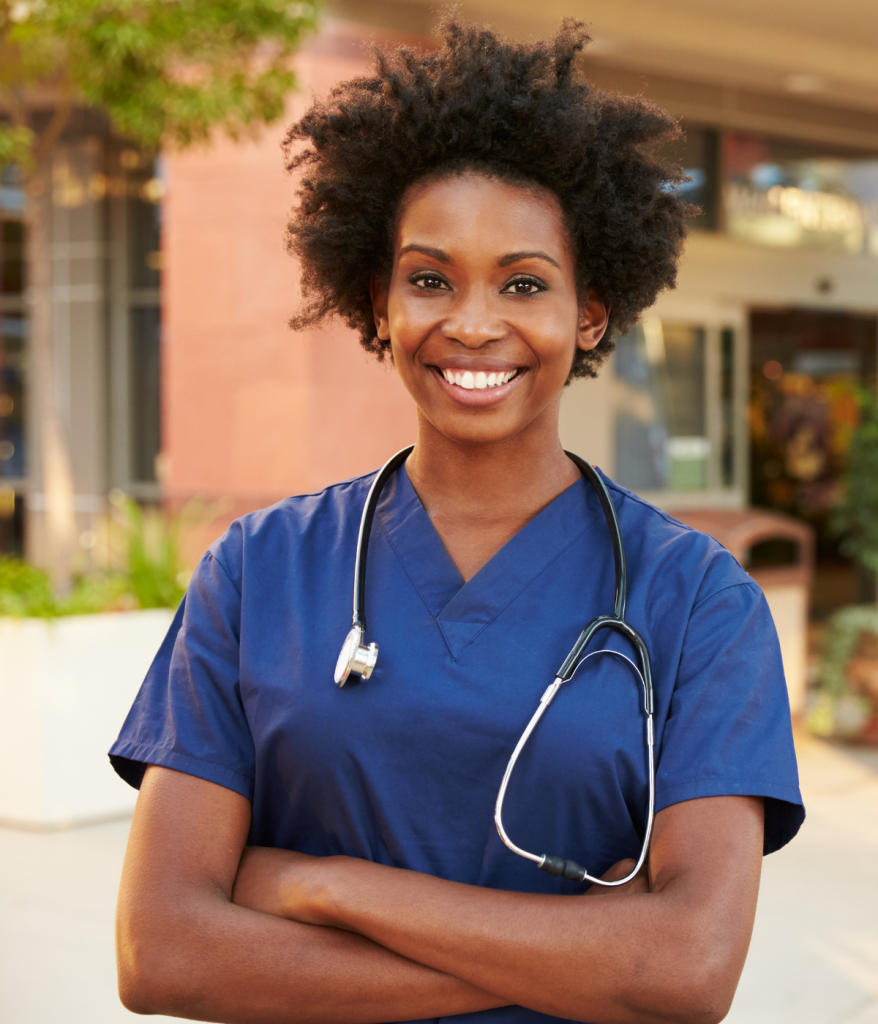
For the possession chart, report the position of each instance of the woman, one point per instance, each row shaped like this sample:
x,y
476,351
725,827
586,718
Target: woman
x,y
488,220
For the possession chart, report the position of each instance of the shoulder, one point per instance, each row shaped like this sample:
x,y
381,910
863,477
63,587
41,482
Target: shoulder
x,y
662,547
316,521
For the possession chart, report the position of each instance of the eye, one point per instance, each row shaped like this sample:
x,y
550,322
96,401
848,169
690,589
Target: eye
x,y
524,286
428,281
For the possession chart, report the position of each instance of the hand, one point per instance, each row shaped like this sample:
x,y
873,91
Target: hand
x,y
639,883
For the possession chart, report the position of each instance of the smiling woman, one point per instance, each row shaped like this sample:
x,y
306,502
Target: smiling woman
x,y
303,852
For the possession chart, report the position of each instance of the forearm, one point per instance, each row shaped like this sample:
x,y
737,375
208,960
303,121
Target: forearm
x,y
219,962
607,960
185,949
674,953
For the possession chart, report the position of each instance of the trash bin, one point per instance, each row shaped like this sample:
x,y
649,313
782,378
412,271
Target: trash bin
x,y
786,587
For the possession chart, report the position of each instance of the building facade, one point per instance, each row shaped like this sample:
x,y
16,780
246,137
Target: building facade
x,y
172,291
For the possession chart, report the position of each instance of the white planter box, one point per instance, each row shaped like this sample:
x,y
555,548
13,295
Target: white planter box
x,y
65,688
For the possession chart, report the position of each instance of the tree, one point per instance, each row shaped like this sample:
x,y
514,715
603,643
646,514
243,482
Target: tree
x,y
166,73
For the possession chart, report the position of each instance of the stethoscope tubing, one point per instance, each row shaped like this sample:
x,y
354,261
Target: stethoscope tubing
x,y
582,875
358,659
392,464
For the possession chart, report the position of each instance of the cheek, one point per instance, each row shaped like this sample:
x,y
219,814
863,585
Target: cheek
x,y
555,339
410,315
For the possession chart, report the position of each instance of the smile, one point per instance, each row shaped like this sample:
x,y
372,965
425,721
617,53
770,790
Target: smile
x,y
478,381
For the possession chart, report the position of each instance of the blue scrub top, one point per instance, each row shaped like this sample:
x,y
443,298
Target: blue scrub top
x,y
404,769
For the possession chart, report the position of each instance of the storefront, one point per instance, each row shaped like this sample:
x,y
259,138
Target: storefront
x,y
738,387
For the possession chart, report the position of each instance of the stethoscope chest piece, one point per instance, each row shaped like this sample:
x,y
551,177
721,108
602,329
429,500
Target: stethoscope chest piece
x,y
355,658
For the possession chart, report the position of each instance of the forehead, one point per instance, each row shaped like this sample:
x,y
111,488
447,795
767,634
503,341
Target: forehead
x,y
472,211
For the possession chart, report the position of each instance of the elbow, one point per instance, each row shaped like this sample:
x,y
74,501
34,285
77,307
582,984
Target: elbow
x,y
702,1007
135,995
695,988
705,988
152,972
146,986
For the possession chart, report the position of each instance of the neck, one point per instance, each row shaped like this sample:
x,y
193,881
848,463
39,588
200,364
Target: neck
x,y
509,481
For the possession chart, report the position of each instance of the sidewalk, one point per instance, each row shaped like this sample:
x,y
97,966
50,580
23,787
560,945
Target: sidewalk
x,y
813,960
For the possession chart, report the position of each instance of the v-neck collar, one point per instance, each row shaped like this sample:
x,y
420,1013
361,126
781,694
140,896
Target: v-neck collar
x,y
464,609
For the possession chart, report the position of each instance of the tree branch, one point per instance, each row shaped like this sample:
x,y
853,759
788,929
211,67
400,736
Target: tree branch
x,y
60,116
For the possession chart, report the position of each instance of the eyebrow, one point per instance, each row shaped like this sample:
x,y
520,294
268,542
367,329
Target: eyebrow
x,y
537,254
426,250
441,256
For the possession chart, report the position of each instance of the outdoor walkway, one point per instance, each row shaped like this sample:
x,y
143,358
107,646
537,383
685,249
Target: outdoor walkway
x,y
814,957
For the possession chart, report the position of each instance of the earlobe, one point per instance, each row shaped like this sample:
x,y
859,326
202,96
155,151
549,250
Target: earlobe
x,y
378,294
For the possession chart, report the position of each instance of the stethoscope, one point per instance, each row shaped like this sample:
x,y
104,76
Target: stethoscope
x,y
356,659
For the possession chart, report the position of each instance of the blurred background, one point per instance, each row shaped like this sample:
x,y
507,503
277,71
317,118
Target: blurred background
x,y
150,392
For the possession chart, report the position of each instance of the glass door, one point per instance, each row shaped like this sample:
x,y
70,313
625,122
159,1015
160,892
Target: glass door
x,y
677,411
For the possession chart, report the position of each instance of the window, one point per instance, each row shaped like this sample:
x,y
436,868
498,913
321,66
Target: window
x,y
13,363
136,324
12,397
674,400
698,153
146,434
805,368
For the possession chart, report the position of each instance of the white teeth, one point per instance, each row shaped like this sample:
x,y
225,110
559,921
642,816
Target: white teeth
x,y
479,380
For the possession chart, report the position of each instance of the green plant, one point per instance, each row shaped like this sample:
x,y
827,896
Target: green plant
x,y
841,637
146,566
837,709
855,516
152,551
27,592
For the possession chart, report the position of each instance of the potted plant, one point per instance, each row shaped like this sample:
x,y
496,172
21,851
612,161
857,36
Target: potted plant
x,y
848,701
70,667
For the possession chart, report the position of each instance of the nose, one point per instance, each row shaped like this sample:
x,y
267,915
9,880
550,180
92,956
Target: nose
x,y
472,320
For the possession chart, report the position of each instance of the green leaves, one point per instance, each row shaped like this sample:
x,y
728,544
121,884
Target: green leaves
x,y
16,145
152,554
144,565
25,590
167,72
856,512
841,636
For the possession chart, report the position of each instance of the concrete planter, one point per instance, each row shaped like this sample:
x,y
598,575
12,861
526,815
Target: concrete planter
x,y
65,688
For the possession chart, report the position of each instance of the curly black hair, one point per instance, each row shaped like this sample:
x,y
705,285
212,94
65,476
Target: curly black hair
x,y
515,111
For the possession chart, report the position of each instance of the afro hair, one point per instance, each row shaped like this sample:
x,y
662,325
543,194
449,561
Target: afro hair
x,y
516,111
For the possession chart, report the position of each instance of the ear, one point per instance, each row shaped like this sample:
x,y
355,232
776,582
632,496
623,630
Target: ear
x,y
594,316
378,294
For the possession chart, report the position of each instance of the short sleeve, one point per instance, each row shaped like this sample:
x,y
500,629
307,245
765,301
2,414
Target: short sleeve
x,y
728,730
188,714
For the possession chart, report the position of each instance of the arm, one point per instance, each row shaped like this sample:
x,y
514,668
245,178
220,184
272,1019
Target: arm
x,y
184,949
674,953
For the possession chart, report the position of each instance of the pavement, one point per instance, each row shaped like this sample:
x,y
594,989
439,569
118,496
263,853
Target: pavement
x,y
813,959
